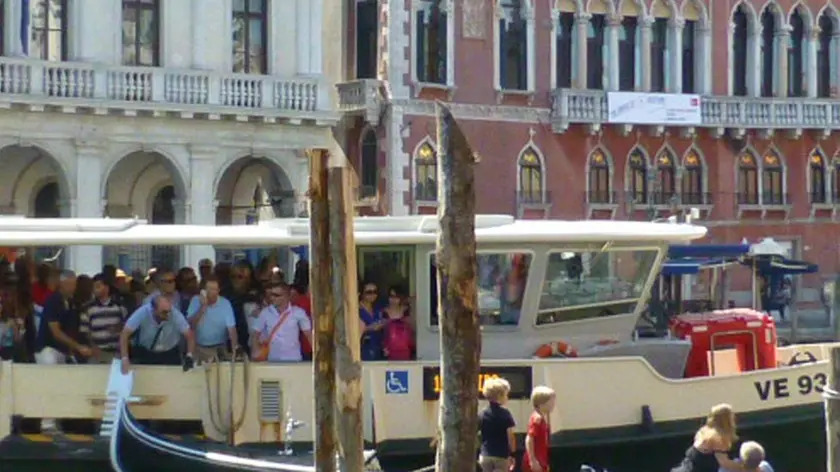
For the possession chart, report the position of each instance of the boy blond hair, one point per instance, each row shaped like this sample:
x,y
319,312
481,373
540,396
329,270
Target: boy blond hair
x,y
495,389
541,395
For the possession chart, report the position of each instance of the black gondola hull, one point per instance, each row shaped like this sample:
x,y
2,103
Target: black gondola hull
x,y
135,449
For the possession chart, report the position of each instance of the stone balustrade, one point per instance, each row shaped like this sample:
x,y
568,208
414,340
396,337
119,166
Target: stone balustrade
x,y
571,106
96,85
363,96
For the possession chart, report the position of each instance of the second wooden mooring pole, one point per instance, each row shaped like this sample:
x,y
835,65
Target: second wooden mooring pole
x,y
460,335
832,414
320,288
346,310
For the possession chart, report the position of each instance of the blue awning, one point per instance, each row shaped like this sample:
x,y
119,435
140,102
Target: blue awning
x,y
707,250
693,266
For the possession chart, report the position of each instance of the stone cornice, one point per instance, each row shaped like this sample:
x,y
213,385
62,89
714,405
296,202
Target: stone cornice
x,y
476,112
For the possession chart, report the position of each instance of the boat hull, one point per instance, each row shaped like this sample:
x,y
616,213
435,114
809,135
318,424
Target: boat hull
x,y
134,449
784,432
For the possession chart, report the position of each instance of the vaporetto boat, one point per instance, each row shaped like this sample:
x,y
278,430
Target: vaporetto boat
x,y
582,284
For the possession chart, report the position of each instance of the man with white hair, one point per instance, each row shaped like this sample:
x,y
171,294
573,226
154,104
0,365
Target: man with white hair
x,y
752,457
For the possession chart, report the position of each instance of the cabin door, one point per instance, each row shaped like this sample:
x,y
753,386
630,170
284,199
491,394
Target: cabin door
x,y
387,266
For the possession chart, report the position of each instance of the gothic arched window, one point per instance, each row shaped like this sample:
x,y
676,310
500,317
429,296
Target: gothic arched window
x,y
426,171
530,177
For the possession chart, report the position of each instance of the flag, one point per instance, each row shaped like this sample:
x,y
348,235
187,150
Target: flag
x,y
24,27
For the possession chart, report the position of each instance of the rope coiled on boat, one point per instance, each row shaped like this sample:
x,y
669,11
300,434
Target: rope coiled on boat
x,y
216,419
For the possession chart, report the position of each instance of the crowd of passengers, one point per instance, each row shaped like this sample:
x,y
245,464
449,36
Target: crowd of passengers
x,y
167,317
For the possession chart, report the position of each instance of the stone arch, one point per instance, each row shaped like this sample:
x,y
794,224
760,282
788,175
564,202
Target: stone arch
x,y
772,149
632,8
569,6
594,195
816,154
46,200
424,170
596,7
132,182
253,186
368,149
665,9
777,11
751,13
806,13
26,170
767,166
695,10
687,184
666,171
833,14
637,174
530,146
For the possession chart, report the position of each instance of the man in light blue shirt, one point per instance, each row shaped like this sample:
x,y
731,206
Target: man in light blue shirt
x,y
211,316
160,330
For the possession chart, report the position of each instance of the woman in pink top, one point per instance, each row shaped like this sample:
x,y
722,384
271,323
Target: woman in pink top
x,y
398,343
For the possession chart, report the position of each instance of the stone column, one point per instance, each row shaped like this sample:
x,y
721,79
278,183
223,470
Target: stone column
x,y
781,40
703,57
87,202
673,78
754,62
646,32
810,62
530,48
201,208
835,63
581,26
555,18
303,40
612,66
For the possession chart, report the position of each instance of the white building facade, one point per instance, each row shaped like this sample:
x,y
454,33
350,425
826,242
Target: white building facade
x,y
175,111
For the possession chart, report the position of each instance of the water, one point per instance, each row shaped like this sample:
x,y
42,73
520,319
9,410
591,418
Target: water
x,y
795,447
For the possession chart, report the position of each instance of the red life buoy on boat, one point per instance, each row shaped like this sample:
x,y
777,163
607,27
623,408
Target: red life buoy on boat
x,y
557,349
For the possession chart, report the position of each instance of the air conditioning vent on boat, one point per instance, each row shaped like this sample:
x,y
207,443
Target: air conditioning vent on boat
x,y
271,401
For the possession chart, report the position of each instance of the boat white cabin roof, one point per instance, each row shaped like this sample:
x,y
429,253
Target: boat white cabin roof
x,y
378,230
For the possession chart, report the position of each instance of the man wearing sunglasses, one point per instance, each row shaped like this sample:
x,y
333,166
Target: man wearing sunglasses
x,y
279,327
159,329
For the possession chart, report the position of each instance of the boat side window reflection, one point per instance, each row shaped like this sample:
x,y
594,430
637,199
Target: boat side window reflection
x,y
502,278
593,284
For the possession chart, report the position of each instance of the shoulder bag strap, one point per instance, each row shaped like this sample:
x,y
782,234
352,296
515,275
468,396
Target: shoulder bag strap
x,y
276,327
157,336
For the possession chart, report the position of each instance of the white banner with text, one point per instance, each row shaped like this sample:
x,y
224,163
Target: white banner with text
x,y
637,108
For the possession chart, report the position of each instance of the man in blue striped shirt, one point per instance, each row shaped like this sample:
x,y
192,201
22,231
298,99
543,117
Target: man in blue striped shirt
x,y
101,321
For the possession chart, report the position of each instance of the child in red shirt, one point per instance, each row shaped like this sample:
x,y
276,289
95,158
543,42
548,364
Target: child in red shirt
x,y
539,431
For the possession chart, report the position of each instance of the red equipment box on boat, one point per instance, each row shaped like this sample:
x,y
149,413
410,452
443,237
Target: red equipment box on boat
x,y
751,333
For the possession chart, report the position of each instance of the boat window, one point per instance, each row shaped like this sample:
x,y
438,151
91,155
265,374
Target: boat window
x,y
502,278
592,284
387,266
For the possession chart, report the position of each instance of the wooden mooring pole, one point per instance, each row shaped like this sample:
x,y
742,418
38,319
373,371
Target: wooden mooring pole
x,y
346,310
320,280
832,414
460,335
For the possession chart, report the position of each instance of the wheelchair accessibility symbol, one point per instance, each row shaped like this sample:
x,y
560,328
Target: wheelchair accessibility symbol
x,y
396,382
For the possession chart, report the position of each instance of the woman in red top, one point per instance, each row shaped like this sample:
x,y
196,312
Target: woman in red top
x,y
539,430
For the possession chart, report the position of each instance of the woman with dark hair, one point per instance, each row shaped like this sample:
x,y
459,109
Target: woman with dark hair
x,y
399,343
18,315
372,322
46,281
